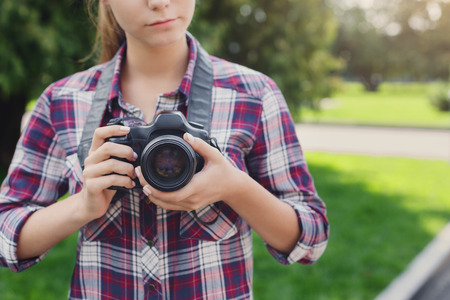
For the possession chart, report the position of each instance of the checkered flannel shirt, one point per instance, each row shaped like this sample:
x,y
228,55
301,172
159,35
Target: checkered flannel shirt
x,y
137,250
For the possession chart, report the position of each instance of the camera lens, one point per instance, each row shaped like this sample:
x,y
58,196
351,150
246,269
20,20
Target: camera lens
x,y
168,163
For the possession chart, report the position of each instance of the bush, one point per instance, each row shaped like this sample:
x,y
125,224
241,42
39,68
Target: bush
x,y
440,96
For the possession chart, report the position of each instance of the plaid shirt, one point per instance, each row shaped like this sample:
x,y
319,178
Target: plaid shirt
x,y
137,250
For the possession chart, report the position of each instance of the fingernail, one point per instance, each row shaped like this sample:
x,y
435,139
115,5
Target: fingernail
x,y
135,156
147,191
124,128
190,138
137,171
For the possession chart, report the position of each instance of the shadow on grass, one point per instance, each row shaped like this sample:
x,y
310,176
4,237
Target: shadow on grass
x,y
372,239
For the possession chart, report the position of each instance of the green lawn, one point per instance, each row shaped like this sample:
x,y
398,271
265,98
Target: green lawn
x,y
395,104
382,211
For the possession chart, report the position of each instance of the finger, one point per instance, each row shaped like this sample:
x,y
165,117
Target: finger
x,y
181,199
200,146
168,205
99,184
173,196
141,178
108,150
103,133
110,166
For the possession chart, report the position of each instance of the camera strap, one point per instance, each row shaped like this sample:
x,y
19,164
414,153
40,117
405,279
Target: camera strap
x,y
199,105
199,102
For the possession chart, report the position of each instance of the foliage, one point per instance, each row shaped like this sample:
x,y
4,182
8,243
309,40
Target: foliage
x,y
289,40
41,41
394,39
423,42
395,104
382,212
360,45
440,97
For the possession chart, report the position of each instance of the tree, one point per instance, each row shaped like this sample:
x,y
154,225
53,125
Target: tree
x,y
362,48
394,39
423,41
41,41
289,40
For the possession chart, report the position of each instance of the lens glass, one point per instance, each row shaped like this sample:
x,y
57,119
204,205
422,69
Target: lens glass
x,y
168,162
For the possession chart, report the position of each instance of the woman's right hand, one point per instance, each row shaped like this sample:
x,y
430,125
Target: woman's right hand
x,y
48,226
102,170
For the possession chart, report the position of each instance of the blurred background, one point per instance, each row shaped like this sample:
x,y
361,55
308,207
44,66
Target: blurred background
x,y
359,65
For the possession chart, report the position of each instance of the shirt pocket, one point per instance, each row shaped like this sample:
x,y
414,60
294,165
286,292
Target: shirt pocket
x,y
215,222
108,226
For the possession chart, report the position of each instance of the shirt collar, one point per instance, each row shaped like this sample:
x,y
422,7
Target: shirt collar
x,y
184,87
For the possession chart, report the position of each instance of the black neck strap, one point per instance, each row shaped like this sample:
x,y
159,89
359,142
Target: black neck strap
x,y
199,108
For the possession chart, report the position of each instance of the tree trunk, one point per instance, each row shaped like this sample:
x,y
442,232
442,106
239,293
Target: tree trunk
x,y
11,112
371,82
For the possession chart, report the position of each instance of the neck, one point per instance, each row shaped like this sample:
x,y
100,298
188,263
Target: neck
x,y
156,62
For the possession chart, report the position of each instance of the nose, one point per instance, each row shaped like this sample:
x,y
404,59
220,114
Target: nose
x,y
158,4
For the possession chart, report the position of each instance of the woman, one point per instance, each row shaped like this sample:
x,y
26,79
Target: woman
x,y
142,242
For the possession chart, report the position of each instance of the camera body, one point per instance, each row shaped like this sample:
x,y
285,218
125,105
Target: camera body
x,y
167,161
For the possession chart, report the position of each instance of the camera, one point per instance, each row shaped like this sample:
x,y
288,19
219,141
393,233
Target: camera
x,y
167,161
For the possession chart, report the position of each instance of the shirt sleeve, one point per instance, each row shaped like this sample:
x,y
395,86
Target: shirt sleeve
x,y
34,180
277,162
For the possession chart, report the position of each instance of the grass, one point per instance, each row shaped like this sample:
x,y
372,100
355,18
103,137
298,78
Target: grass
x,y
382,211
395,104
49,279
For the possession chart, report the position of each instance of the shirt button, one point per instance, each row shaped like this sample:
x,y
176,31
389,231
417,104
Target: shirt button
x,y
152,287
150,243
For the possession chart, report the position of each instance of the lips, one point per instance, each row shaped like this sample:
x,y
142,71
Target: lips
x,y
162,22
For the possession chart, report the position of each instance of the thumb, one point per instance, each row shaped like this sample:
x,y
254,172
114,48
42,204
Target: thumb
x,y
199,145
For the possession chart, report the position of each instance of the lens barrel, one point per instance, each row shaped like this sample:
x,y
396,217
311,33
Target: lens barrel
x,y
168,163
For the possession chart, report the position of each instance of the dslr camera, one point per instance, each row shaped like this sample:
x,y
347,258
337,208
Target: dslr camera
x,y
167,161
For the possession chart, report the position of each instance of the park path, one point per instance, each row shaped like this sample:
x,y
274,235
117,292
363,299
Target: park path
x,y
377,141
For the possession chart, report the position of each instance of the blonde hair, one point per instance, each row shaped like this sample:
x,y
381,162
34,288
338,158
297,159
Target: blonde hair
x,y
110,36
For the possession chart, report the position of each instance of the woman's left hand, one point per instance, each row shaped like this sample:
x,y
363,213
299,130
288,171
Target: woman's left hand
x,y
217,181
